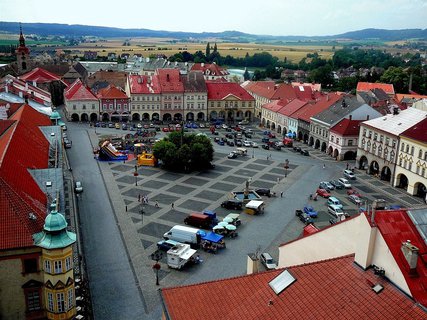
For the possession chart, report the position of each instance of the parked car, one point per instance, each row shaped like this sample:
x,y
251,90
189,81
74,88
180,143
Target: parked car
x,y
305,152
335,201
338,185
310,211
297,149
335,210
202,125
263,192
165,129
244,122
224,126
67,143
254,145
117,125
104,125
124,126
238,143
323,193
247,143
355,199
268,261
345,182
230,143
326,185
165,245
111,125
78,187
232,155
354,192
265,139
304,217
266,146
349,174
232,204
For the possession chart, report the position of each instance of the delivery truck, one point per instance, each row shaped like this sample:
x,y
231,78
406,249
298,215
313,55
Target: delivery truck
x,y
179,255
183,234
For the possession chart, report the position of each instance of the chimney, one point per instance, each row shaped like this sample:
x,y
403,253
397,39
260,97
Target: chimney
x,y
343,104
167,77
411,255
202,64
395,111
252,265
350,117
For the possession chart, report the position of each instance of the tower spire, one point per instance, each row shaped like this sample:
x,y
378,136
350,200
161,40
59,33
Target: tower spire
x,y
21,36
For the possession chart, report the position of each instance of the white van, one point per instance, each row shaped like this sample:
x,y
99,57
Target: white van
x,y
184,234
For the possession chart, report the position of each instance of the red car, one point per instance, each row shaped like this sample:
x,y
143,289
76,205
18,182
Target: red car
x,y
353,192
165,129
323,193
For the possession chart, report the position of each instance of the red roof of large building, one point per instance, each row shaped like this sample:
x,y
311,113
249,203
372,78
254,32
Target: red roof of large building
x,y
275,105
170,81
396,227
221,90
417,132
309,110
210,69
111,92
347,127
292,107
40,75
78,91
271,91
23,147
367,86
144,84
331,289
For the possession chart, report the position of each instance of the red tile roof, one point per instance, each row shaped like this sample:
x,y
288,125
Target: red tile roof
x,y
331,289
347,127
401,96
284,91
309,110
221,90
144,84
111,92
275,105
4,125
367,86
170,81
78,91
397,227
210,69
304,93
418,132
23,147
40,75
292,107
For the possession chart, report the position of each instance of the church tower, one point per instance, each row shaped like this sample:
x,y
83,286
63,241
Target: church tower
x,y
23,55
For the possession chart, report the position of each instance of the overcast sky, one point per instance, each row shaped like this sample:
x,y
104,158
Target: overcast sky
x,y
273,17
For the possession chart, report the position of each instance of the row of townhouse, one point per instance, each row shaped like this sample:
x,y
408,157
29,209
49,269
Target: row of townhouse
x,y
166,96
394,148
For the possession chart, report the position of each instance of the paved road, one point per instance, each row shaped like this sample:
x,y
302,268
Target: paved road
x,y
115,294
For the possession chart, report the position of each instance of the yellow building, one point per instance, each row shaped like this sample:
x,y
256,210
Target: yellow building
x,y
411,168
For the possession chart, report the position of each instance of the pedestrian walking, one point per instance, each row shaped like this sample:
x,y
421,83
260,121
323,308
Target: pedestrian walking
x,y
324,166
347,166
281,194
139,197
156,204
172,206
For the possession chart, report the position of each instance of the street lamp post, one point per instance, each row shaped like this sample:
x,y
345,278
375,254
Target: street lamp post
x,y
286,166
157,255
135,174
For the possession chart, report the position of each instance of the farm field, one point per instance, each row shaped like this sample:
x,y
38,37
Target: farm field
x,y
148,46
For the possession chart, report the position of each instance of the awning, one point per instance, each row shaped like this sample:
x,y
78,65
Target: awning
x,y
213,237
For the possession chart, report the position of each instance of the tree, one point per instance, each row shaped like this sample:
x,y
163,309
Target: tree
x,y
398,77
246,75
215,48
208,50
186,152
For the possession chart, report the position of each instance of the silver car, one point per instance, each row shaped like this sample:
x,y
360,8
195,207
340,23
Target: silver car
x,y
268,261
355,199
